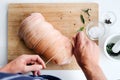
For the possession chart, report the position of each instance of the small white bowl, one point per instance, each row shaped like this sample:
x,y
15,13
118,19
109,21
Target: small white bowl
x,y
112,39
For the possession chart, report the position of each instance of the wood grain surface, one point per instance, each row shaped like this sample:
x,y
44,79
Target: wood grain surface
x,y
65,17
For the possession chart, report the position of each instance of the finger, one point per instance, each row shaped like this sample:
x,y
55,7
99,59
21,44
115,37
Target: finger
x,y
85,36
38,72
81,36
32,57
75,39
29,58
76,42
33,68
36,58
40,61
80,39
35,73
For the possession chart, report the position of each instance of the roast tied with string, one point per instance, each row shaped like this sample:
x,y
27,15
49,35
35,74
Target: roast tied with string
x,y
45,40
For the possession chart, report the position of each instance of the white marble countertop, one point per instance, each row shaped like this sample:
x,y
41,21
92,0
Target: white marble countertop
x,y
110,68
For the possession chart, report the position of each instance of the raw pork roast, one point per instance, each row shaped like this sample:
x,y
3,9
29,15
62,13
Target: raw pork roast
x,y
45,40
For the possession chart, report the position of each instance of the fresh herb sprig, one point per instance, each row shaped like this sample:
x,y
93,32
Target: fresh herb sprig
x,y
82,19
86,11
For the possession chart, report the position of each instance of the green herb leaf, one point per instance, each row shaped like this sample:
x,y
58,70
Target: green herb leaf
x,y
109,50
81,29
82,19
86,11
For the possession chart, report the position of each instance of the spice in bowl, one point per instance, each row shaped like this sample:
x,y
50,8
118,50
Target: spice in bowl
x,y
110,51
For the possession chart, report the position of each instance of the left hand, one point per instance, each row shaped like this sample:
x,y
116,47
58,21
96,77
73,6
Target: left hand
x,y
24,64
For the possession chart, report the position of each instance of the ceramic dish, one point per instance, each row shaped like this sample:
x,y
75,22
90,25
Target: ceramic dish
x,y
112,39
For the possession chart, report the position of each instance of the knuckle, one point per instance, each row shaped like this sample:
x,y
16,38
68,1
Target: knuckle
x,y
88,42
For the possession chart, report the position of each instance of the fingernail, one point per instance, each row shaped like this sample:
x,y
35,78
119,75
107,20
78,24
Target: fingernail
x,y
45,66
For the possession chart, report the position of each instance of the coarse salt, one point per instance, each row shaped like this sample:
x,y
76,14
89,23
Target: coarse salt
x,y
94,32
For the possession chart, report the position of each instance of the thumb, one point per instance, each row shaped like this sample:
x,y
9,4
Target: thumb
x,y
33,68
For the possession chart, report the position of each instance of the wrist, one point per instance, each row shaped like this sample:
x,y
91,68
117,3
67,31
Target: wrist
x,y
87,64
90,66
5,69
93,72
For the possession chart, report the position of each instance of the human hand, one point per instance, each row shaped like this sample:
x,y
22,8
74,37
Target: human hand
x,y
85,50
87,56
24,64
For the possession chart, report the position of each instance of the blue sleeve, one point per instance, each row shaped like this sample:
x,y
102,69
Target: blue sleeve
x,y
8,76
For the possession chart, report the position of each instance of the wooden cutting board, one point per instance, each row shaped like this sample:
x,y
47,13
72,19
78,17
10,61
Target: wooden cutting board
x,y
65,17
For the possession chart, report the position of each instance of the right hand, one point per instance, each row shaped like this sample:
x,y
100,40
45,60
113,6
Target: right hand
x,y
85,50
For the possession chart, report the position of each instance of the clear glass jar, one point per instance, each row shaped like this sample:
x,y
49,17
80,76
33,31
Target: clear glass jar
x,y
95,30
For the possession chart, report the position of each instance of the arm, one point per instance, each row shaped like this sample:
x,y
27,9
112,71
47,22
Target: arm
x,y
24,64
87,56
93,72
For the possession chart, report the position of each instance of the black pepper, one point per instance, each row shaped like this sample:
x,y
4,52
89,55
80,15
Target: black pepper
x,y
108,21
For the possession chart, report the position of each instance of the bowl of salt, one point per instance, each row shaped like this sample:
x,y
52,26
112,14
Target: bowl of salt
x,y
95,30
112,47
